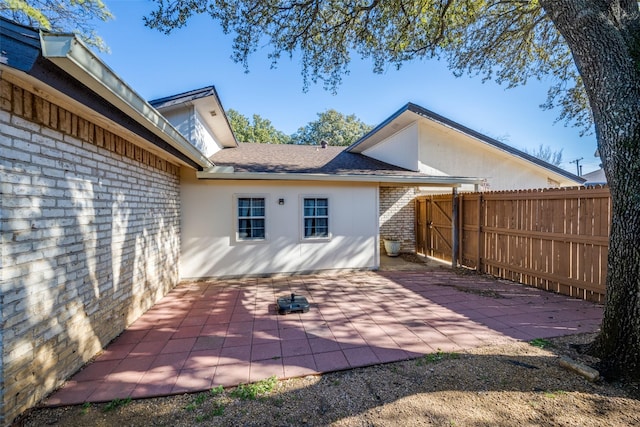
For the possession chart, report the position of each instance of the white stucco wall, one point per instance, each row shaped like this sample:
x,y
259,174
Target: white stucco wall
x,y
455,154
209,248
439,151
400,149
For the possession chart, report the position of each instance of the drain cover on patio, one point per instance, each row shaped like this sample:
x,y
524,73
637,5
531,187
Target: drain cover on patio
x,y
292,303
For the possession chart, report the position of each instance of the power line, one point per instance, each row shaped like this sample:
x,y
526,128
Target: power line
x,y
578,168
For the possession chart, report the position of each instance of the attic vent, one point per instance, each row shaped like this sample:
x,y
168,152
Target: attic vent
x,y
324,143
213,113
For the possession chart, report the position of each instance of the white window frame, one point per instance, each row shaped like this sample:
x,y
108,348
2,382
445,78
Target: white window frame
x,y
236,218
303,217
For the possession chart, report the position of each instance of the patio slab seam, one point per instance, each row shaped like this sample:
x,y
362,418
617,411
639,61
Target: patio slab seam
x,y
205,334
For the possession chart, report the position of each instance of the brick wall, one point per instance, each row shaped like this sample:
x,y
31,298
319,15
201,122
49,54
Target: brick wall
x,y
397,216
90,240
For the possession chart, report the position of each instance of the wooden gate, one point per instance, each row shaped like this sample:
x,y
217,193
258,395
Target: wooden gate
x,y
434,231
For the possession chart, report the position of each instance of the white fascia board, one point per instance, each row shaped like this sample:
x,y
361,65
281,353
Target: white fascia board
x,y
70,54
436,181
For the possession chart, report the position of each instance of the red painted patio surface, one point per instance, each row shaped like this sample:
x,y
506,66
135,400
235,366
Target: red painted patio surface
x,y
227,332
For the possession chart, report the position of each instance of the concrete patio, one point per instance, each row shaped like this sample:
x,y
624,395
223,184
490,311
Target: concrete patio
x,y
227,332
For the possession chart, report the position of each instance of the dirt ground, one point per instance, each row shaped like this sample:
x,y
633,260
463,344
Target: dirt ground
x,y
518,384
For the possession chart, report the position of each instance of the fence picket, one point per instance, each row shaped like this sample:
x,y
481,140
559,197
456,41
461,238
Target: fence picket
x,y
555,239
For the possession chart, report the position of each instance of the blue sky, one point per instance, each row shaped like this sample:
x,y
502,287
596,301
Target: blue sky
x,y
156,65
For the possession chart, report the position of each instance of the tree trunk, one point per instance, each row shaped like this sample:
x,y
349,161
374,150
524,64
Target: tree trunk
x,y
604,37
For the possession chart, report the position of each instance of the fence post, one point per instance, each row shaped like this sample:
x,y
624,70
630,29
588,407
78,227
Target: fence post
x,y
480,234
461,213
455,231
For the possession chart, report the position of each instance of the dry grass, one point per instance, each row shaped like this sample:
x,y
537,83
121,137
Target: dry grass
x,y
516,384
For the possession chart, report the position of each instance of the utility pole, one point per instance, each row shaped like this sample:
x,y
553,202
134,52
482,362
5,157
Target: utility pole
x,y
577,162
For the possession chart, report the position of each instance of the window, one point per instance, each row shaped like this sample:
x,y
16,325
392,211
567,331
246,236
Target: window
x,y
251,218
315,217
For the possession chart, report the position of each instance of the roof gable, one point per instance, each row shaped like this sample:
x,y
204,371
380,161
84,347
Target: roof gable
x,y
596,177
410,113
209,108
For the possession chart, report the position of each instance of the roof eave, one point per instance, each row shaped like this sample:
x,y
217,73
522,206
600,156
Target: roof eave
x,y
214,115
376,136
71,55
361,144
433,181
505,148
217,121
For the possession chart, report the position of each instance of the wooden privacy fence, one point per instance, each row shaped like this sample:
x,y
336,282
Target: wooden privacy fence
x,y
554,239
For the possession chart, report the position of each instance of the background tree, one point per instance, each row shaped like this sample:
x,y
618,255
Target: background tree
x,y
333,127
589,49
74,16
256,130
544,152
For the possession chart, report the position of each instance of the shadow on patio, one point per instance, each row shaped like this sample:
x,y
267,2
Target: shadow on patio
x,y
227,332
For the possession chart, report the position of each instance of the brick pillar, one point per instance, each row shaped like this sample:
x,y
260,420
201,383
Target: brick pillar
x,y
397,216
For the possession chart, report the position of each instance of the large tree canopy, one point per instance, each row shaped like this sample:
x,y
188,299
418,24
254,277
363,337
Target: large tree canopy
x,y
256,130
510,41
74,16
588,50
333,127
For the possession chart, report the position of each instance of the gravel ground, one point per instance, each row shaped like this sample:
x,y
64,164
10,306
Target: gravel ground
x,y
509,385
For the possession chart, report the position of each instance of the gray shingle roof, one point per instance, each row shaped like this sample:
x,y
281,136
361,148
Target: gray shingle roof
x,y
311,159
20,45
55,62
183,98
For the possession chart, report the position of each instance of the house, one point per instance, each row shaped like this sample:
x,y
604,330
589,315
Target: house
x,y
109,201
90,210
420,140
596,177
366,191
284,209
